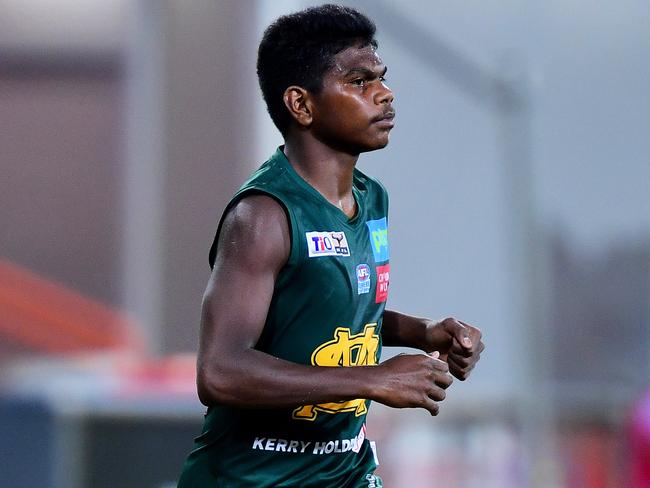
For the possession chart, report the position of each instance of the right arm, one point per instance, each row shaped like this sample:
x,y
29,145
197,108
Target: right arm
x,y
254,245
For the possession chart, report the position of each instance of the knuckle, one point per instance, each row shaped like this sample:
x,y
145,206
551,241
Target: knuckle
x,y
460,361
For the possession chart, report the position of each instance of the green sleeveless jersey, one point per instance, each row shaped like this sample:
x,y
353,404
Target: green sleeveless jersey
x,y
326,310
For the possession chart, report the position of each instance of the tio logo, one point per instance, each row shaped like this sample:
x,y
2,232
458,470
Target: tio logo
x,y
329,243
322,243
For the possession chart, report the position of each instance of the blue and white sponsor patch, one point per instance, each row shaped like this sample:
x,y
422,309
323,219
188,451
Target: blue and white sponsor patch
x,y
378,233
328,243
363,279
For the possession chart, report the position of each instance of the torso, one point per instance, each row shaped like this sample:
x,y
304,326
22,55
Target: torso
x,y
326,310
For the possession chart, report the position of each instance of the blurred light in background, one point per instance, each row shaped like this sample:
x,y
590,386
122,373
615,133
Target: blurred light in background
x,y
82,26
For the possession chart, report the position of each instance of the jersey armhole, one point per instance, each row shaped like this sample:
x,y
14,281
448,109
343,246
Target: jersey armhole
x,y
293,249
378,184
384,193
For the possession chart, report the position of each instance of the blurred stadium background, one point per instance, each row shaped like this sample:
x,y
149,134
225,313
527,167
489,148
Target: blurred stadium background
x,y
519,174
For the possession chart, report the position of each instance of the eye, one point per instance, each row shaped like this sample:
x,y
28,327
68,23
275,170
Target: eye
x,y
359,82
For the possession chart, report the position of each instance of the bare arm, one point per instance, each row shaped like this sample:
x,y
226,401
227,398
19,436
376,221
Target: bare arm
x,y
253,247
459,343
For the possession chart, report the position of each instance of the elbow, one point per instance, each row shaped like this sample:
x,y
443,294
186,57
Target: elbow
x,y
203,388
213,387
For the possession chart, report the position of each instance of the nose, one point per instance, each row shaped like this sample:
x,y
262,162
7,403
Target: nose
x,y
384,95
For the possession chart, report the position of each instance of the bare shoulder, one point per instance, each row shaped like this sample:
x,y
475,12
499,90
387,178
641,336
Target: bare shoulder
x,y
255,233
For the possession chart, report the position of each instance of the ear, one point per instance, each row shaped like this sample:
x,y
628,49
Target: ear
x,y
298,103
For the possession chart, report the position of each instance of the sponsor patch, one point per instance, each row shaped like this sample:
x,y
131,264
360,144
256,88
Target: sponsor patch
x,y
383,277
378,233
363,279
328,243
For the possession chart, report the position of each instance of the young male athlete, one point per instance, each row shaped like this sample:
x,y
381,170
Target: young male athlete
x,y
293,316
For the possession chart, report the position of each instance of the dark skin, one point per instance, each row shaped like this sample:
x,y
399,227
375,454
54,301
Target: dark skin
x,y
352,114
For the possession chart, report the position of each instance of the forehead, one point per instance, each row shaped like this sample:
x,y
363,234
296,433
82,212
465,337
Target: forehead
x,y
354,58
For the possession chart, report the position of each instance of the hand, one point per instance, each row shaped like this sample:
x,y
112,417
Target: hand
x,y
414,380
459,343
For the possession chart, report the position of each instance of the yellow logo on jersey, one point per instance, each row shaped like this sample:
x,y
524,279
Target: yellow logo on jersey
x,y
344,350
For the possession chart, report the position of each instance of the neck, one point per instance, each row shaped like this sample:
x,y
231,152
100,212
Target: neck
x,y
328,170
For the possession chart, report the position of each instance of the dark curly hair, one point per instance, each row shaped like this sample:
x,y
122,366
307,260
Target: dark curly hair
x,y
299,48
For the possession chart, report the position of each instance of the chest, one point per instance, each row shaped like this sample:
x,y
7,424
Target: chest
x,y
350,263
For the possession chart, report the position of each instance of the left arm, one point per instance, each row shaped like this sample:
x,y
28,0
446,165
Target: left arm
x,y
459,343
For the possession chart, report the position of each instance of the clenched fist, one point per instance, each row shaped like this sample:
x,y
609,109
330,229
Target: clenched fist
x,y
459,344
413,380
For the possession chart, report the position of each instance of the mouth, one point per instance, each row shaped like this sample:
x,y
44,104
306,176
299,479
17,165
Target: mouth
x,y
385,119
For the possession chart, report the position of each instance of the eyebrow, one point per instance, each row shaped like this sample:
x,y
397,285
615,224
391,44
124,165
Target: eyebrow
x,y
366,72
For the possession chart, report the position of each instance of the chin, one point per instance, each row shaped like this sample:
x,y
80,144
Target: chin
x,y
368,145
380,144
